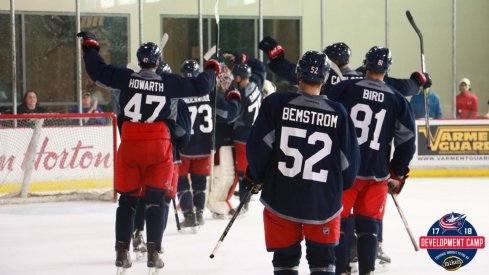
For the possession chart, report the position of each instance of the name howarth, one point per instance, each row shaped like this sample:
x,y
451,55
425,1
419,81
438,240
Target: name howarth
x,y
147,85
306,116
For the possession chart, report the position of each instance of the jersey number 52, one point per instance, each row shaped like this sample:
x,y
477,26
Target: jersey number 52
x,y
298,163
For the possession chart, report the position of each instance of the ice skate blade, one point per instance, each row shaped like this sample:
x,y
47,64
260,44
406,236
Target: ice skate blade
x,y
121,270
141,256
381,267
154,271
189,230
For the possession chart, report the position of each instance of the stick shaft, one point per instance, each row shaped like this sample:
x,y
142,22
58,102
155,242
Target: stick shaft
x,y
406,225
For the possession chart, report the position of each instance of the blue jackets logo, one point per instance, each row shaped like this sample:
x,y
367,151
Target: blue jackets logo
x,y
452,241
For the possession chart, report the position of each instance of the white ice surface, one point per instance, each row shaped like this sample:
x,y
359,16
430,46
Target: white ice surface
x,y
77,238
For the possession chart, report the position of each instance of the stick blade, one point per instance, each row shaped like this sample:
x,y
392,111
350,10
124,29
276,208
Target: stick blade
x,y
210,53
216,11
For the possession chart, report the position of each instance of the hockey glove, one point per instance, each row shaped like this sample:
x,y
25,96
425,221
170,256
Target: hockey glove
x,y
213,64
271,48
233,94
423,79
395,182
89,40
250,185
236,57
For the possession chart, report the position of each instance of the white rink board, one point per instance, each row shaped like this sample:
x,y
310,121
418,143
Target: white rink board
x,y
63,154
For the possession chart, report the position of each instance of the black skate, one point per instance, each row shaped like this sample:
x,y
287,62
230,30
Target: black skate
x,y
190,221
155,263
123,258
139,246
200,216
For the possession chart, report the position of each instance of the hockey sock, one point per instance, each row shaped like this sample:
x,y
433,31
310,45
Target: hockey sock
x,y
321,258
140,217
184,194
286,260
242,186
367,230
124,220
154,217
342,250
166,210
381,228
199,183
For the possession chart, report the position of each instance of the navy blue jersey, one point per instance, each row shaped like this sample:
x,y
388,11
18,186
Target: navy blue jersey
x,y
258,72
304,150
380,114
286,69
202,126
181,134
146,96
227,110
351,74
251,101
406,87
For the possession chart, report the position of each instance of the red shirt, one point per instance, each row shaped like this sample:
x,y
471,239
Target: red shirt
x,y
466,105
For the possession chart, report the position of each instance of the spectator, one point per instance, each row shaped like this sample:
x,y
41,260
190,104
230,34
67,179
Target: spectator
x,y
417,102
30,104
90,107
466,102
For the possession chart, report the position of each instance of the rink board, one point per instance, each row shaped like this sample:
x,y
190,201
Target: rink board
x,y
459,148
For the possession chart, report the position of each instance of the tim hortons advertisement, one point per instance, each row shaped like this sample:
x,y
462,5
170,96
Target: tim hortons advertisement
x,y
454,144
62,154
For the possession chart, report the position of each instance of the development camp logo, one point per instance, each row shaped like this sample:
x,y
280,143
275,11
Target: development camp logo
x,y
452,241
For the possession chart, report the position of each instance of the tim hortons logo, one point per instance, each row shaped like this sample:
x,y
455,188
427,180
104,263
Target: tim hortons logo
x,y
78,157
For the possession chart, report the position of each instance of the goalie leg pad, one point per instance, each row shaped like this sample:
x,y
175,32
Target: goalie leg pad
x,y
218,201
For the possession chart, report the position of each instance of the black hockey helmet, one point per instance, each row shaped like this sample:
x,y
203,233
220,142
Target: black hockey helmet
x,y
190,68
378,59
338,52
148,55
313,67
241,70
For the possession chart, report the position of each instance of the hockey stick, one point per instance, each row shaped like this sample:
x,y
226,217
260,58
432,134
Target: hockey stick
x,y
406,225
230,223
214,119
425,90
176,214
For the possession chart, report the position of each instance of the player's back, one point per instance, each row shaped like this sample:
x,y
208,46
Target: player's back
x,y
304,180
379,114
201,124
251,101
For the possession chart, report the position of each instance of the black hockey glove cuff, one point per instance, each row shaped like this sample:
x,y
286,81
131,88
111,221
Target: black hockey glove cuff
x,y
89,40
271,47
423,79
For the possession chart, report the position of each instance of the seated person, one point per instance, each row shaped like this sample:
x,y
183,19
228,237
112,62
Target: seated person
x,y
90,107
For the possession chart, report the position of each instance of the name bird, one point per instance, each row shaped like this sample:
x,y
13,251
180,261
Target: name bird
x,y
141,84
306,116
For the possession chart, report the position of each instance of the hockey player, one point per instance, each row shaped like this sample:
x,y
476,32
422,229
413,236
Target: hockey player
x,y
252,97
380,114
339,53
145,162
284,68
196,157
304,150
228,107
